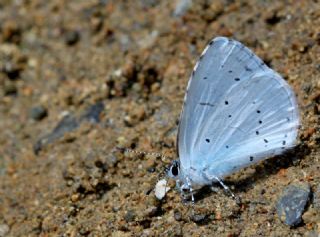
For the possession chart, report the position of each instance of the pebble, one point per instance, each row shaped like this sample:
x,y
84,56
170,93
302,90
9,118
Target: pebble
x,y
4,230
12,70
151,169
292,203
72,37
182,6
68,124
177,215
38,113
152,211
92,113
129,216
161,189
75,197
198,218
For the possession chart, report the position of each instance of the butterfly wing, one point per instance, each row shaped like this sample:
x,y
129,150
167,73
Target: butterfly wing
x,y
236,111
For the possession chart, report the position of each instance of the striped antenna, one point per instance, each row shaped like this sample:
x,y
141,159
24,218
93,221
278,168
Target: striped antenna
x,y
162,173
123,149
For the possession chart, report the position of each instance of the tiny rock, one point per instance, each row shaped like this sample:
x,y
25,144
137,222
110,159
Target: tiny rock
x,y
38,113
292,203
161,189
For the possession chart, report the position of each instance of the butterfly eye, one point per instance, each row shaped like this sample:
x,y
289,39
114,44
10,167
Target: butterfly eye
x,y
174,170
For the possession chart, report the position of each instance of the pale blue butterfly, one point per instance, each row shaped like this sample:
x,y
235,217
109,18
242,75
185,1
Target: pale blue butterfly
x,y
237,111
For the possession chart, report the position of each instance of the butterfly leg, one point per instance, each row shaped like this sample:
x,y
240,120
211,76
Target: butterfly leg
x,y
191,190
212,177
225,187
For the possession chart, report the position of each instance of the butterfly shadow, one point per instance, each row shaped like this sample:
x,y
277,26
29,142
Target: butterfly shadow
x,y
263,170
271,166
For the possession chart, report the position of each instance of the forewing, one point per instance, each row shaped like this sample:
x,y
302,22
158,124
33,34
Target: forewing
x,y
236,110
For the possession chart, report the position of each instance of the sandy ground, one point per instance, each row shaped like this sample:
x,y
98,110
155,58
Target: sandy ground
x,y
79,78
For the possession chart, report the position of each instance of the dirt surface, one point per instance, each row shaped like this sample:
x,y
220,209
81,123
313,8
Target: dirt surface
x,y
79,78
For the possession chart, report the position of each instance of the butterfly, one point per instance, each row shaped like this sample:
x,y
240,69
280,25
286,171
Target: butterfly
x,y
236,112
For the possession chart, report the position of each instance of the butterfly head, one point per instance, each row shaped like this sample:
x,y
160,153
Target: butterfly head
x,y
174,170
183,183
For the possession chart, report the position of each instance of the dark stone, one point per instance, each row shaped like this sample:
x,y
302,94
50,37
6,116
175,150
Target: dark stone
x,y
68,124
177,216
292,203
72,37
129,216
199,218
92,114
151,169
153,211
38,112
11,70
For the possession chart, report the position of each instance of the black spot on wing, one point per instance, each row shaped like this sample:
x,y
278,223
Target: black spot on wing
x,y
247,69
206,104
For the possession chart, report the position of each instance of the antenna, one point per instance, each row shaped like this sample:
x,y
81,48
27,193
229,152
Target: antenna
x,y
163,157
123,149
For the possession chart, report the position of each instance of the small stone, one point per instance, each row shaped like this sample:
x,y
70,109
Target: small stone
x,y
152,211
198,218
68,124
12,70
177,215
75,197
92,113
151,169
38,113
161,189
129,216
292,203
182,6
4,230
72,37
